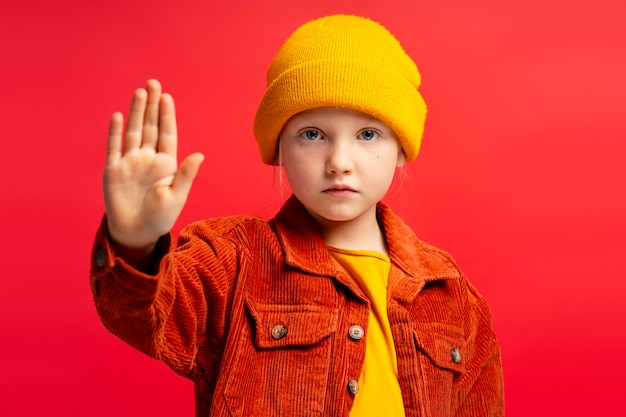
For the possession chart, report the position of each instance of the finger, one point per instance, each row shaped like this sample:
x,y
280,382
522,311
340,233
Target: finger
x,y
114,144
135,120
151,115
168,135
184,177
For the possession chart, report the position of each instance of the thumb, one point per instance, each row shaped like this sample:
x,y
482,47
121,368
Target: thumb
x,y
185,175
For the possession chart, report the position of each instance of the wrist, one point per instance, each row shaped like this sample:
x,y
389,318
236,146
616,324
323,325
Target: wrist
x,y
140,258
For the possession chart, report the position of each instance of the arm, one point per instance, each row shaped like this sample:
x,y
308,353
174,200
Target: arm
x,y
483,393
180,309
140,295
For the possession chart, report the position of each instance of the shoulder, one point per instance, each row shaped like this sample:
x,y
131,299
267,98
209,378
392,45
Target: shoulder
x,y
417,258
232,233
223,226
436,267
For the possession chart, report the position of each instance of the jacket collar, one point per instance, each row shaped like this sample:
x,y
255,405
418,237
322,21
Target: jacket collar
x,y
301,239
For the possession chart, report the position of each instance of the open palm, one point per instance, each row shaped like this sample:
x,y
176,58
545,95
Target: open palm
x,y
144,188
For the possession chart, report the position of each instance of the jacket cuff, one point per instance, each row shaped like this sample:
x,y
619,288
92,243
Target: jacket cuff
x,y
104,258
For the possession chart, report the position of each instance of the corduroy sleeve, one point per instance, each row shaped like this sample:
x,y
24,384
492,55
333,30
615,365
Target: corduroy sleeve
x,y
179,310
482,392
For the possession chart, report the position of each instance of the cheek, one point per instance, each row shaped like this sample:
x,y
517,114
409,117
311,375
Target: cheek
x,y
296,173
300,158
386,167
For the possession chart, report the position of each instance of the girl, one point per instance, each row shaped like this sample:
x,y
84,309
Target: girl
x,y
332,308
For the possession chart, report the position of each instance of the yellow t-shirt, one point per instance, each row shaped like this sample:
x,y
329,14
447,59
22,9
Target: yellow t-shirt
x,y
379,390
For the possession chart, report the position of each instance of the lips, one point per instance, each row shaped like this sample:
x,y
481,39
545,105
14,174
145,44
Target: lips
x,y
340,191
340,187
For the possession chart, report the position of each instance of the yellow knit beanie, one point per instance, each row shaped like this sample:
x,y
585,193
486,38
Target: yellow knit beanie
x,y
342,61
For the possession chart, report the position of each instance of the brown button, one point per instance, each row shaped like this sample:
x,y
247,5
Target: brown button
x,y
356,332
456,355
279,331
100,258
353,386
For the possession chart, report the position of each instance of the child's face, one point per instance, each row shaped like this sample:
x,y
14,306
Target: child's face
x,y
339,162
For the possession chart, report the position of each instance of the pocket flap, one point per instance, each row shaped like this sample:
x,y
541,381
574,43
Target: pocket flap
x,y
279,325
444,345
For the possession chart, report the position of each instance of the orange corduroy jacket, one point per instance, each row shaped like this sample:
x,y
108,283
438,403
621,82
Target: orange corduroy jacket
x,y
212,311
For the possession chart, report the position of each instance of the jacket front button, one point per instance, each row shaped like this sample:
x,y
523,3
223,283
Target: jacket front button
x,y
356,332
101,258
279,331
456,355
353,386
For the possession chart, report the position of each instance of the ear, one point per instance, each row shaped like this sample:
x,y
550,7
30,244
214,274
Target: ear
x,y
401,158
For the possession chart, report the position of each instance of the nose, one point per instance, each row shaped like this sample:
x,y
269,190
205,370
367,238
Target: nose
x,y
339,159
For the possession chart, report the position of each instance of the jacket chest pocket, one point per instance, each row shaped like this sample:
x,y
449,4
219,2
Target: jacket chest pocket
x,y
441,351
283,361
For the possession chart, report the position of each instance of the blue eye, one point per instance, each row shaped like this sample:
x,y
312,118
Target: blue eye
x,y
368,135
311,134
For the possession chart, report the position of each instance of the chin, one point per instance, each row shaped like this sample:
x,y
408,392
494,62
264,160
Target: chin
x,y
336,217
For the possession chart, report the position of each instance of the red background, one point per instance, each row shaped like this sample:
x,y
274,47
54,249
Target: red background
x,y
521,178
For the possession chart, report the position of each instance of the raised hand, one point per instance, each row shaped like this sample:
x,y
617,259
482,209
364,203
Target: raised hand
x,y
144,188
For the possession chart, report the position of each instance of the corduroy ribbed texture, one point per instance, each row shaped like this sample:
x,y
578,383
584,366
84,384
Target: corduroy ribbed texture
x,y
210,310
342,61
